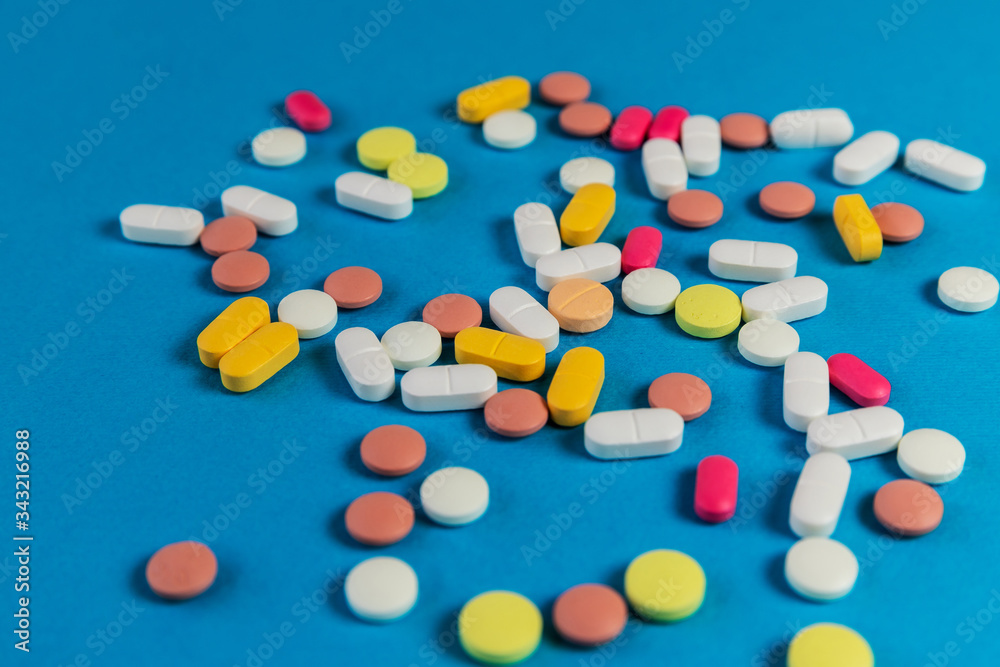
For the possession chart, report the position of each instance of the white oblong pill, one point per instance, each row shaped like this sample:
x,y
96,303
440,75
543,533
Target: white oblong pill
x,y
515,311
271,214
819,495
629,434
701,139
373,195
412,345
786,300
365,364
664,167
509,129
381,589
767,342
968,289
650,291
454,496
582,171
931,455
312,312
752,261
163,225
866,157
821,569
600,262
856,433
454,387
811,128
944,165
806,389
278,147
537,232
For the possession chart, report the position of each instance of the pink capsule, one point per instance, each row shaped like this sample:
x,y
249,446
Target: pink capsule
x,y
862,383
629,130
307,111
642,249
667,124
715,489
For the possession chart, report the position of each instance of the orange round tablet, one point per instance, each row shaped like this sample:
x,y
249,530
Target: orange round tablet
x,y
181,570
787,199
908,507
228,234
240,271
393,450
685,394
581,305
898,222
744,130
450,313
353,286
379,519
694,208
516,413
585,119
562,88
589,614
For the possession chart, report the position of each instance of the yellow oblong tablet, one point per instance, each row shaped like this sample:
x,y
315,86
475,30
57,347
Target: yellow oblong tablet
x,y
499,627
478,102
264,353
829,645
587,214
512,357
240,319
377,148
424,173
857,227
575,386
664,585
708,311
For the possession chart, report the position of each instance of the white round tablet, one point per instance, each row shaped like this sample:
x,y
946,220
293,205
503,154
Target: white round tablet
x,y
412,345
381,589
820,568
311,311
767,342
650,291
454,496
279,147
580,171
968,289
509,129
931,455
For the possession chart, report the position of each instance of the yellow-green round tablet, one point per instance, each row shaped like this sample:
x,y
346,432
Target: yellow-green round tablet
x,y
829,645
423,173
379,147
708,311
664,585
499,627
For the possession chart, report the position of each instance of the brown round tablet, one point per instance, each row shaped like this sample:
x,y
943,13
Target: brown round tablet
x,y
908,507
228,234
450,313
353,286
744,130
562,88
181,570
685,394
787,200
240,271
589,614
585,119
516,413
393,450
581,305
899,222
694,208
379,519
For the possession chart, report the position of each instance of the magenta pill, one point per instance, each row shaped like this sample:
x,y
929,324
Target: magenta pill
x,y
629,130
715,489
862,383
667,123
642,249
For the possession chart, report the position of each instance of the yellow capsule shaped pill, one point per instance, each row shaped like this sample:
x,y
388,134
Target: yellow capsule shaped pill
x,y
240,319
587,214
264,353
512,357
857,227
575,386
478,102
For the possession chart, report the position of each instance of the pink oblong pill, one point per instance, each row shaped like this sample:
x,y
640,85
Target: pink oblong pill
x,y
667,123
862,383
629,130
642,249
307,111
715,489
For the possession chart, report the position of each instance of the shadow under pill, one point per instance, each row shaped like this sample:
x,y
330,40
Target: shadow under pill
x,y
112,229
777,507
930,292
865,511
776,577
139,585
328,195
684,495
698,264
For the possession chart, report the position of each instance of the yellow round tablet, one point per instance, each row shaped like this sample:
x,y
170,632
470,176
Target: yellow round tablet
x,y
423,173
664,585
500,627
379,147
708,311
829,645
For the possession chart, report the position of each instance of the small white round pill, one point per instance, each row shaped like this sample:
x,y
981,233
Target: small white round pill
x,y
509,129
312,312
381,589
412,345
931,455
820,568
767,342
582,171
454,496
968,289
650,291
279,147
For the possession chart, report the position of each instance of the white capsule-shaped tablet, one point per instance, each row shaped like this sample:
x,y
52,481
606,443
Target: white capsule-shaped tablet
x,y
600,262
819,495
944,165
278,147
767,342
811,128
650,291
701,139
373,195
806,389
630,434
664,167
537,232
163,225
515,311
582,171
931,455
312,312
753,261
365,364
412,345
454,496
271,214
865,158
968,289
509,129
381,589
454,387
786,300
821,569
856,433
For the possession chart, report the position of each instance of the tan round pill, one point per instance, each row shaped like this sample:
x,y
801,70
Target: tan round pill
x,y
181,570
450,313
744,130
787,199
585,119
581,305
908,507
228,234
379,519
589,614
393,450
516,413
240,271
687,395
562,88
353,286
898,222
695,208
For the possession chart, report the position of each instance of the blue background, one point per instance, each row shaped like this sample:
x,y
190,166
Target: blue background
x,y
226,72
